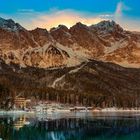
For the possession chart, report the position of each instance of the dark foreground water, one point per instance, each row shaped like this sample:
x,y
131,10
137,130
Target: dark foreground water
x,y
71,126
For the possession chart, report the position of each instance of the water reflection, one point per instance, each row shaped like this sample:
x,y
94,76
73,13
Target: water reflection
x,y
70,128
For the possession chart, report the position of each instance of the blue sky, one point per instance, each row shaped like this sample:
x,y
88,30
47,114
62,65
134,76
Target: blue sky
x,y
49,13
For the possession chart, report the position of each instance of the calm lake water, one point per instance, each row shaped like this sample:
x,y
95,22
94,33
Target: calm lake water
x,y
72,126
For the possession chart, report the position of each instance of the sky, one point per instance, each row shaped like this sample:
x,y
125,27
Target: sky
x,y
51,13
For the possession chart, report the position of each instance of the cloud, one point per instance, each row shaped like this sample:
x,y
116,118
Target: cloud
x,y
130,24
30,19
126,22
26,10
65,17
120,8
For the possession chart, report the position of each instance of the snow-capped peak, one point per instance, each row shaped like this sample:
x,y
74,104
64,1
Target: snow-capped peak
x,y
10,25
108,26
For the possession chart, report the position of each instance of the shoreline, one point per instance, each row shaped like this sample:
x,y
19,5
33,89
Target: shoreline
x,y
14,112
102,111
106,110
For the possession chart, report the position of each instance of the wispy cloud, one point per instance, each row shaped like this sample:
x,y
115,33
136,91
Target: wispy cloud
x,y
126,22
31,19
120,8
26,10
65,17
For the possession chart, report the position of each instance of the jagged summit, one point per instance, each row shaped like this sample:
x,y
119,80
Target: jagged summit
x,y
40,29
10,25
79,25
60,27
40,32
108,26
106,41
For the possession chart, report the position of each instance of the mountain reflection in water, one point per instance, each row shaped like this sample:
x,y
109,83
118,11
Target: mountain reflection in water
x,y
70,128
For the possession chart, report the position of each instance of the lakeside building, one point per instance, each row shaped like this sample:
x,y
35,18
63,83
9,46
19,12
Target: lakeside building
x,y
21,103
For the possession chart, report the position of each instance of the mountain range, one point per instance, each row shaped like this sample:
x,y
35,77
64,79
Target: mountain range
x,y
60,47
91,65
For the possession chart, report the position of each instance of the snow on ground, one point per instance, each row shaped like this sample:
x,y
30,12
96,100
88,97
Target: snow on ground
x,y
78,68
73,53
57,80
70,72
127,64
115,46
10,25
115,109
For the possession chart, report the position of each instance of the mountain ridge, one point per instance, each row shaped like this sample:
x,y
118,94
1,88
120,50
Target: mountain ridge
x,y
93,83
105,41
77,66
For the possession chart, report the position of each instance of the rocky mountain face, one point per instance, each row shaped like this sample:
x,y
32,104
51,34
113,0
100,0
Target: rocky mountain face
x,y
96,83
76,66
61,46
124,46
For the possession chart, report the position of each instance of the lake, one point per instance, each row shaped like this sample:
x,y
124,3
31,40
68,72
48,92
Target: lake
x,y
71,126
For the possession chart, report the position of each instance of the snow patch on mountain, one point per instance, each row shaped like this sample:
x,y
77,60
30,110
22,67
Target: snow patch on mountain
x,y
57,80
78,68
115,46
106,26
10,25
75,70
63,47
